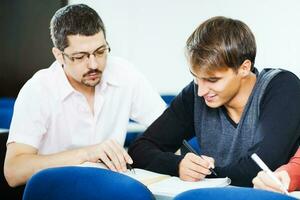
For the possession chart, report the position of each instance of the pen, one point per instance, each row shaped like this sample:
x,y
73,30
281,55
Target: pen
x,y
188,146
130,167
264,167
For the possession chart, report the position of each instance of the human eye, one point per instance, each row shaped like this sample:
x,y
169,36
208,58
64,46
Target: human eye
x,y
100,52
79,57
212,80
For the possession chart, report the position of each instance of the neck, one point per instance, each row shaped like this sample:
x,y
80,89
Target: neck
x,y
83,89
88,92
236,106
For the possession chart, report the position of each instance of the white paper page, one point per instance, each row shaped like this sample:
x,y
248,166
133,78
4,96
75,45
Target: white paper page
x,y
91,164
173,186
145,176
295,194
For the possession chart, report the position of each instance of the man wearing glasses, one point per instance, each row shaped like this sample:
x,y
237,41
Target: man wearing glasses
x,y
77,110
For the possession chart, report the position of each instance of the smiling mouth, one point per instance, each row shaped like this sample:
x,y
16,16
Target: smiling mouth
x,y
209,98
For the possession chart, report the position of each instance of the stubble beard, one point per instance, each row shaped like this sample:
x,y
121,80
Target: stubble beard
x,y
90,83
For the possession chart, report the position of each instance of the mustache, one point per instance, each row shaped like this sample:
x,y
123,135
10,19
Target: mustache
x,y
93,71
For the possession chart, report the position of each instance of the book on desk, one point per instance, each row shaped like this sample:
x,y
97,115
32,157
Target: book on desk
x,y
165,186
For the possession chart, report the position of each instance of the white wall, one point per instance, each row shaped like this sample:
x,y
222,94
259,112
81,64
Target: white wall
x,y
152,33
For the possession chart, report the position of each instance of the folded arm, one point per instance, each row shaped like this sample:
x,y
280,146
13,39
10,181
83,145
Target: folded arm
x,y
22,160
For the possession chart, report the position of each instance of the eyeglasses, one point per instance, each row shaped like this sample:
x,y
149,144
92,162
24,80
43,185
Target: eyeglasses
x,y
83,57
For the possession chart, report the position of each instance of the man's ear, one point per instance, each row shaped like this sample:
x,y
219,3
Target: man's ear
x,y
58,55
245,68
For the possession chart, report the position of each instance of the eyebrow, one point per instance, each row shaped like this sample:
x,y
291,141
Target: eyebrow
x,y
193,74
207,78
84,52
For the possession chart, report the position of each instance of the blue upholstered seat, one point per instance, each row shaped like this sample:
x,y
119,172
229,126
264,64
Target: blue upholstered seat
x,y
132,135
231,193
194,143
6,111
74,183
168,98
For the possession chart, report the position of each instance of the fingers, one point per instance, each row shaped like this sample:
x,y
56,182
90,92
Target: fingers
x,y
284,177
263,181
115,154
259,183
105,159
194,168
191,175
123,156
210,160
112,154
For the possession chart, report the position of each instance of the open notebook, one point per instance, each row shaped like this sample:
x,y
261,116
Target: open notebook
x,y
295,194
165,185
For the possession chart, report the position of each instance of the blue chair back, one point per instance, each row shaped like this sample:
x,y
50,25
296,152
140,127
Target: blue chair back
x,y
6,111
231,193
168,98
86,183
132,135
7,102
194,143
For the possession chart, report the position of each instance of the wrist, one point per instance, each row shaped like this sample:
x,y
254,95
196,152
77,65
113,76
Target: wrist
x,y
84,155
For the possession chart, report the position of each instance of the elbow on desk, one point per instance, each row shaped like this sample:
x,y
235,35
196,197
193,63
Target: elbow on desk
x,y
11,177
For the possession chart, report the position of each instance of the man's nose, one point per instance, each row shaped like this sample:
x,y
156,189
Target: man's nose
x,y
202,88
92,62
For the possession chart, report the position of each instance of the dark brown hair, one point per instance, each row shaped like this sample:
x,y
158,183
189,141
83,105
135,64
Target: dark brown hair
x,y
221,42
72,20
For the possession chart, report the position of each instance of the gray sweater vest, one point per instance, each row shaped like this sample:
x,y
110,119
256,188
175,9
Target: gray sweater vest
x,y
218,137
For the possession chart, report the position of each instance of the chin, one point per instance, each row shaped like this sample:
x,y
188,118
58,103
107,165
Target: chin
x,y
91,83
213,104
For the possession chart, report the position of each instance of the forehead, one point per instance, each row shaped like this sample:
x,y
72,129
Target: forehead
x,y
205,72
83,43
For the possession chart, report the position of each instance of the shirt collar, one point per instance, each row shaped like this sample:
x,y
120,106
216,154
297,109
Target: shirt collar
x,y
110,74
64,85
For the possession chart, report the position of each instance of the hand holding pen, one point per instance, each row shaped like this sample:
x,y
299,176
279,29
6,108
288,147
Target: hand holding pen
x,y
263,181
194,167
271,181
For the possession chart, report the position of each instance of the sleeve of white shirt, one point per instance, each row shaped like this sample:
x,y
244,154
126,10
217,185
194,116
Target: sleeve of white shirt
x,y
29,120
147,104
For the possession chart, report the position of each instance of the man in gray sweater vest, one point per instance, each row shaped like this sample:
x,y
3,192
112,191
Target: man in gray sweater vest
x,y
231,108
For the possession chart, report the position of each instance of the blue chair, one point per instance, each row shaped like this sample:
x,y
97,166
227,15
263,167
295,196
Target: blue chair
x,y
231,193
6,111
132,135
84,183
194,143
168,98
7,102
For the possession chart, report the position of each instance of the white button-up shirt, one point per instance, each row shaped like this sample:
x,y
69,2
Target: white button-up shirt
x,y
50,115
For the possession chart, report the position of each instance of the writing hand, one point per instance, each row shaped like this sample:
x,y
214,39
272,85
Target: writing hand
x,y
263,181
194,168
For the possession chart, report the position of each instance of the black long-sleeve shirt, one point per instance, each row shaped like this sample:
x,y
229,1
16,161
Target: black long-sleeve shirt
x,y
279,121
